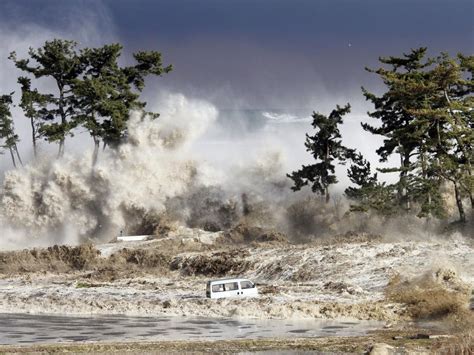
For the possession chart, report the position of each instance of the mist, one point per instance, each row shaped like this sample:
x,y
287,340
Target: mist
x,y
189,166
229,132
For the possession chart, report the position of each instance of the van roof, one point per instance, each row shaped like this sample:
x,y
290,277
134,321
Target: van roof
x,y
228,280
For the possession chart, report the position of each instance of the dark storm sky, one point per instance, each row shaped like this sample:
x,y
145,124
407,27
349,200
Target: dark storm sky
x,y
273,53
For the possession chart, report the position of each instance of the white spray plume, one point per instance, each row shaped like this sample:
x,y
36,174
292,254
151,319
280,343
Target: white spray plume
x,y
70,198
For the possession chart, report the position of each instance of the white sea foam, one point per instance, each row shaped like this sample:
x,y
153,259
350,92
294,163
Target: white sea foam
x,y
275,117
68,197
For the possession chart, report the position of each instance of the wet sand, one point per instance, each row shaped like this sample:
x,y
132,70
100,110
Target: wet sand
x,y
297,345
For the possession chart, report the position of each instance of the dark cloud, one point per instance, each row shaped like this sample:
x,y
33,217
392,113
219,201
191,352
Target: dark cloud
x,y
258,53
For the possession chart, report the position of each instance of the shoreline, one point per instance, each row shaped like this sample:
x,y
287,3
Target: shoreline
x,y
165,278
396,341
363,279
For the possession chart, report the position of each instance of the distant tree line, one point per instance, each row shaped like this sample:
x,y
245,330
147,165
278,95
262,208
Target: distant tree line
x,y
426,118
91,90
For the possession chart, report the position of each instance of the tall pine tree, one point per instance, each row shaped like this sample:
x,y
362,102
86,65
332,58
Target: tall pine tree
x,y
57,60
393,111
426,117
107,92
92,90
326,148
8,137
34,106
449,117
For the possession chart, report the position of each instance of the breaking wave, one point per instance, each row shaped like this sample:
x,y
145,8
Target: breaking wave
x,y
62,200
275,117
159,178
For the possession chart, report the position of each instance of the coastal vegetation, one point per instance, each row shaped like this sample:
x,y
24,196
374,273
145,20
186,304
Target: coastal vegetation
x,y
91,91
426,118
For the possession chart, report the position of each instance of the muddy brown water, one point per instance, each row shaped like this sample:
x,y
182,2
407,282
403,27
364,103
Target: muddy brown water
x,y
23,329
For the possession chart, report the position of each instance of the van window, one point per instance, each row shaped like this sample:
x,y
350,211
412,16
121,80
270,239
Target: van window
x,y
231,286
246,284
218,288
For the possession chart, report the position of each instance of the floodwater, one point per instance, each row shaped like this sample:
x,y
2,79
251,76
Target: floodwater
x,y
17,329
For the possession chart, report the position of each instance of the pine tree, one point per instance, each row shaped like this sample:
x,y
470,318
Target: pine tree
x,y
426,117
404,81
326,148
105,93
7,130
57,60
369,193
450,114
34,106
103,96
92,90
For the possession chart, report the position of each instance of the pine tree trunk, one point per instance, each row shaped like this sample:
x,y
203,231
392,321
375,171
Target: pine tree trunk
x,y
13,157
424,176
462,147
61,148
402,190
471,198
326,188
18,155
95,154
401,181
63,120
462,215
33,134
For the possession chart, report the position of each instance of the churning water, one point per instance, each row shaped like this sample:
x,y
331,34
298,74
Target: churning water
x,y
17,329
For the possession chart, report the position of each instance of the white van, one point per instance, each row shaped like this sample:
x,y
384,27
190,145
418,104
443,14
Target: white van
x,y
231,288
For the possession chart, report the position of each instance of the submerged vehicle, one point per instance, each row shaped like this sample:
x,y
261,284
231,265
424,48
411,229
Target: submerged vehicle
x,y
231,288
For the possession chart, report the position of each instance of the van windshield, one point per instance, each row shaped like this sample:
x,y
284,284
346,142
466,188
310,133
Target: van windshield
x,y
246,284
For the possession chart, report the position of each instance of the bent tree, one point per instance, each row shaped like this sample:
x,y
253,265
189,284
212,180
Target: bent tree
x,y
8,137
326,148
393,110
450,116
57,60
34,106
107,92
92,90
426,117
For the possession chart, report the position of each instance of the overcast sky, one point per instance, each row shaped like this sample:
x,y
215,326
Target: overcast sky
x,y
256,53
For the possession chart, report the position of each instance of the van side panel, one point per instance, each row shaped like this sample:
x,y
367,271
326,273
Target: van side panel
x,y
248,288
231,288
